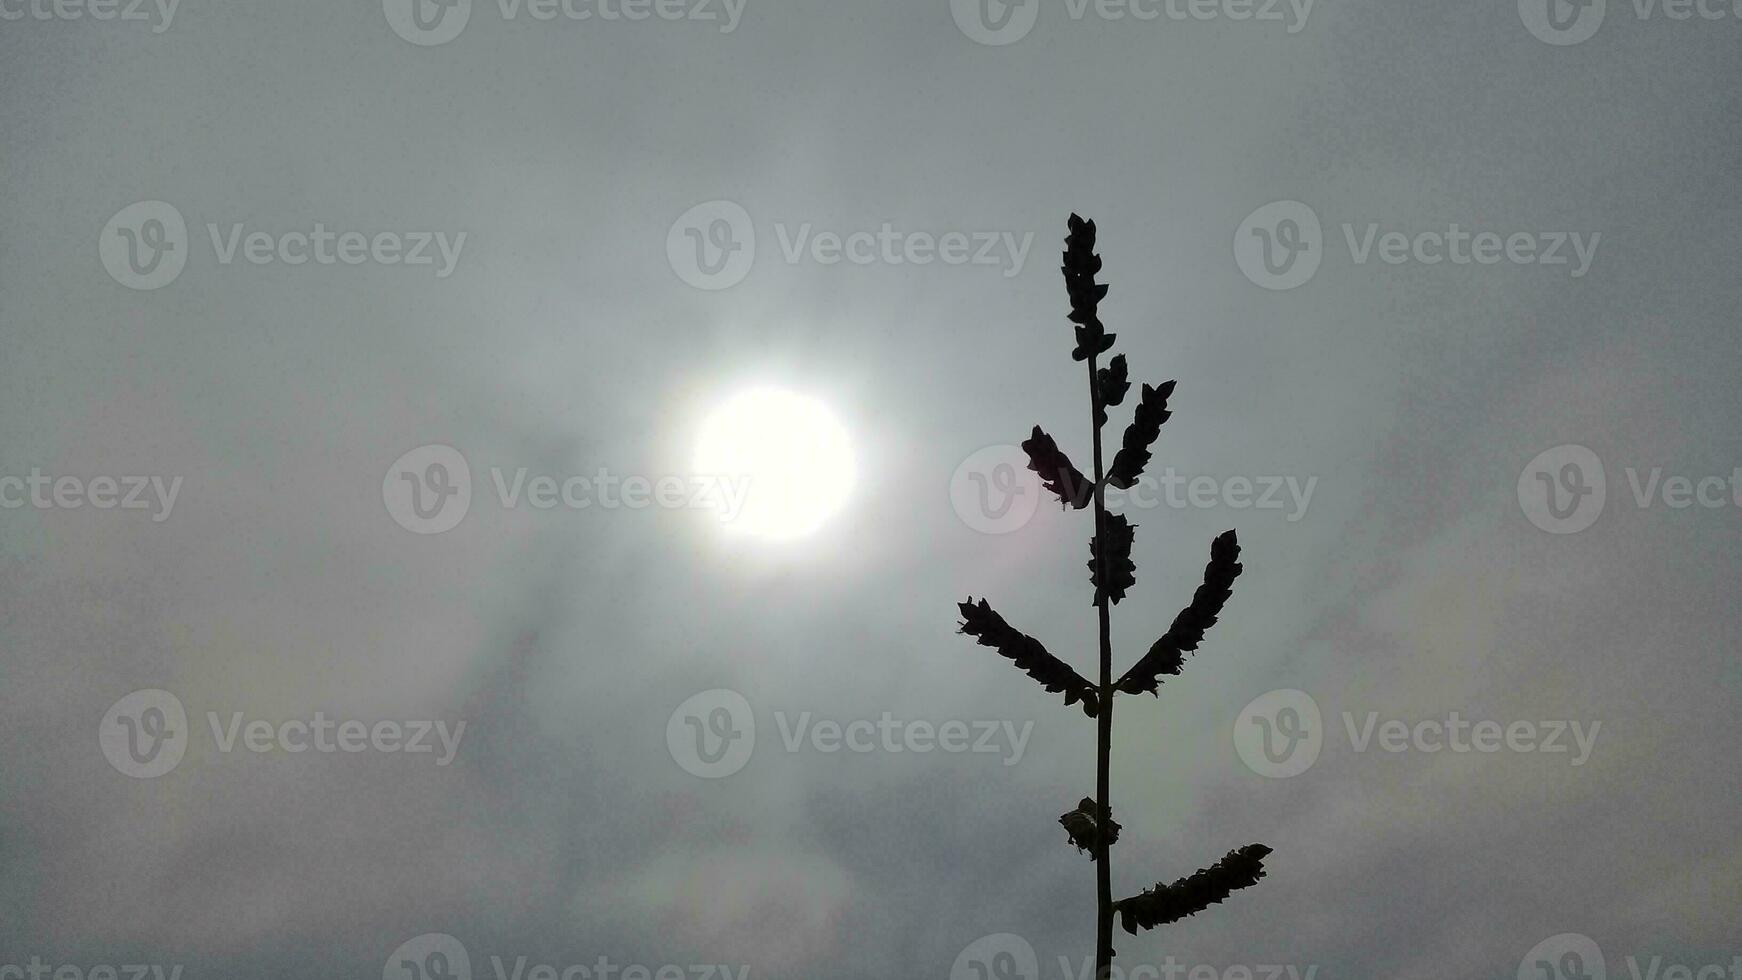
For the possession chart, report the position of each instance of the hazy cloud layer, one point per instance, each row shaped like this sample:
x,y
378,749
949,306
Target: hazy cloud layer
x,y
565,337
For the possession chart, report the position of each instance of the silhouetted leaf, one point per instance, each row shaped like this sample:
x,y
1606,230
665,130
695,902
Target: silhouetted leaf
x,y
1167,655
990,629
1080,266
1145,426
1188,896
1080,824
1121,571
1047,460
1111,384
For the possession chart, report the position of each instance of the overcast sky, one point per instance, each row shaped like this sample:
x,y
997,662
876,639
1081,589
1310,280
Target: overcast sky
x,y
1400,258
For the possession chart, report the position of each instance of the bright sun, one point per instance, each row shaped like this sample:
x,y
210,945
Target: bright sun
x,y
786,458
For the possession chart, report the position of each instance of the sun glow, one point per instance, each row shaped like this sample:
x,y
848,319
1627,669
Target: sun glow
x,y
787,455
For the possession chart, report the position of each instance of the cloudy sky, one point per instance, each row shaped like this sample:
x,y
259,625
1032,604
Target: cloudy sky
x,y
350,281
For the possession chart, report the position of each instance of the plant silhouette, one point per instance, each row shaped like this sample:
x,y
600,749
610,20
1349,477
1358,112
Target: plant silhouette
x,y
1091,826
